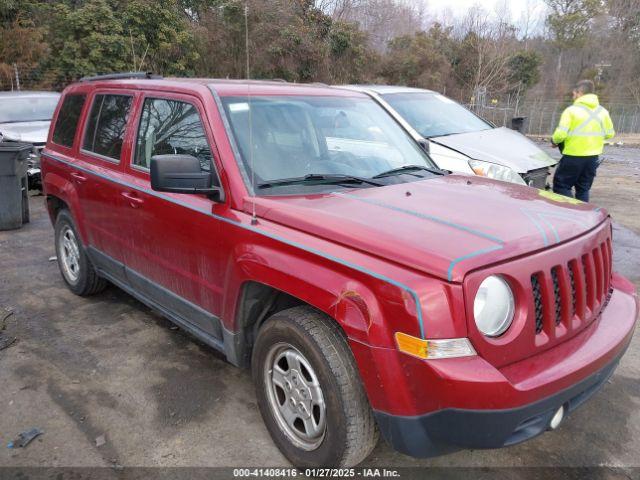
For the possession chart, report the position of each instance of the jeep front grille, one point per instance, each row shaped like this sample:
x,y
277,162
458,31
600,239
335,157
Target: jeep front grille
x,y
572,293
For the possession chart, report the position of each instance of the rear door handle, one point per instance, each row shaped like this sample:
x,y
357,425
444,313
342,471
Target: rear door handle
x,y
78,177
134,200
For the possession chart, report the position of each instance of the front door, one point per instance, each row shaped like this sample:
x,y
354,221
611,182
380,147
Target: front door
x,y
173,257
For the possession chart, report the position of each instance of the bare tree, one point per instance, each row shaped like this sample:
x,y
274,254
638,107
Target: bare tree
x,y
530,21
487,44
383,20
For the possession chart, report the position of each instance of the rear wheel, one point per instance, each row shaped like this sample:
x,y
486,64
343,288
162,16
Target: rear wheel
x,y
309,390
75,266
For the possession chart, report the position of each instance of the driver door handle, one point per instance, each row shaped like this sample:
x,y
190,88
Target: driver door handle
x,y
78,177
134,200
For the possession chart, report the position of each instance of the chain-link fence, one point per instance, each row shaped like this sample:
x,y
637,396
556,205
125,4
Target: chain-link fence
x,y
21,77
542,117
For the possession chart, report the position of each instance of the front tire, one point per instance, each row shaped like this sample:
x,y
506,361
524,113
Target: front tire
x,y
75,266
309,391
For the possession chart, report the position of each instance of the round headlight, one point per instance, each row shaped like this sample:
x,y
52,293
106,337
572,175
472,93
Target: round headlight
x,y
494,306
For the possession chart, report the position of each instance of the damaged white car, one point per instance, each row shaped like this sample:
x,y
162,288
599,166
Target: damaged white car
x,y
25,117
459,140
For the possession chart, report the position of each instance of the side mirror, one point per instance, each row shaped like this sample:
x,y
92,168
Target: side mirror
x,y
183,174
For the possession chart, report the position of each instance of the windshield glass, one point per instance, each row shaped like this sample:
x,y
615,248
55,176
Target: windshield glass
x,y
296,136
27,109
434,115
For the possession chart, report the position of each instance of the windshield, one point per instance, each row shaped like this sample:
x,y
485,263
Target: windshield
x,y
296,136
27,109
434,115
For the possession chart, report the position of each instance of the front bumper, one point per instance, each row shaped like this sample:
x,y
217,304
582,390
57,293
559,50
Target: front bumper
x,y
452,429
434,407
537,178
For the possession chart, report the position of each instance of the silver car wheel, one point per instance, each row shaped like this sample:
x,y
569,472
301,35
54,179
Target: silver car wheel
x,y
295,396
69,252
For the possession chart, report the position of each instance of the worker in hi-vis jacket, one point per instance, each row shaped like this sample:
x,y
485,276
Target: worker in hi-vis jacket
x,y
583,128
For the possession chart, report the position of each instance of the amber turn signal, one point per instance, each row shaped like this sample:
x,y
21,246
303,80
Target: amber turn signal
x,y
432,349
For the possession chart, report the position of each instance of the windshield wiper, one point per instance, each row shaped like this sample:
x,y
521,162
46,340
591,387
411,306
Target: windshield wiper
x,y
409,168
443,135
318,179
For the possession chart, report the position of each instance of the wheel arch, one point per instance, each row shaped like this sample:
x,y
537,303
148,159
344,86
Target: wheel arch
x,y
61,193
347,303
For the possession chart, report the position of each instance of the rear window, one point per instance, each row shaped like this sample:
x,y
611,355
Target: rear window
x,y
67,122
106,126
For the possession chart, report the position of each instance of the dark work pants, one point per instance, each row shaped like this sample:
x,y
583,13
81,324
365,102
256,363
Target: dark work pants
x,y
575,172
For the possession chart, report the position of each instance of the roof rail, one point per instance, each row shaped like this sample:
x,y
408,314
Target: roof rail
x,y
121,76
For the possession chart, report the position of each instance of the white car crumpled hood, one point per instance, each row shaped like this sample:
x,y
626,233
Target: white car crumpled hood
x,y
29,132
499,145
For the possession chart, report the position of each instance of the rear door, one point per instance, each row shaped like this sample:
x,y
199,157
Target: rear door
x,y
101,151
174,253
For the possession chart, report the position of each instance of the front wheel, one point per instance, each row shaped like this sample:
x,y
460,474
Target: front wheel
x,y
309,391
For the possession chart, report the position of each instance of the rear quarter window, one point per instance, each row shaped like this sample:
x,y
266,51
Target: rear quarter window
x,y
106,125
67,121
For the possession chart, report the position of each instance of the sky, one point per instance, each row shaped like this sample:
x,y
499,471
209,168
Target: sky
x,y
460,7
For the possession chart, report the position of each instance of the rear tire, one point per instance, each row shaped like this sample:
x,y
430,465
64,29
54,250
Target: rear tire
x,y
76,268
309,391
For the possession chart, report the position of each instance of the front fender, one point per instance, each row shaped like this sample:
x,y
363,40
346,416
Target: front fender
x,y
349,301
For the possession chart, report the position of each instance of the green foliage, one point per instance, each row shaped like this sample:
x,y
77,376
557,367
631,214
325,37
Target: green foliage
x,y
159,30
349,59
101,36
569,20
291,40
87,40
524,69
418,60
58,41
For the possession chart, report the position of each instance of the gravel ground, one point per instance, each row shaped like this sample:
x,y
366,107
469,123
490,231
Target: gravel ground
x,y
106,366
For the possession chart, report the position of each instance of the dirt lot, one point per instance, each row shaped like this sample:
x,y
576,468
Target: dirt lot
x,y
83,368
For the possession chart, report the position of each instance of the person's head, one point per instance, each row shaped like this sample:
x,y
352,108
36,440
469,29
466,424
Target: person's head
x,y
582,88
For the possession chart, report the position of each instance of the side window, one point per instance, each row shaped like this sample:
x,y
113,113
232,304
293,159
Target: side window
x,y
106,126
67,122
171,127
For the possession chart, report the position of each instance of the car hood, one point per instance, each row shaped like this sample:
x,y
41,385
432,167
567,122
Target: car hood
x,y
30,132
445,226
499,145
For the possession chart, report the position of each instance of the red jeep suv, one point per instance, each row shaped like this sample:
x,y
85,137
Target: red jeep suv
x,y
301,231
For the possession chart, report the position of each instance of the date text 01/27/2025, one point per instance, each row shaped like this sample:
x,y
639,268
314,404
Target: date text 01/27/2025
x,y
316,472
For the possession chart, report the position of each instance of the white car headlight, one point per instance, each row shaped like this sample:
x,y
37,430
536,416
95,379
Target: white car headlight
x,y
495,171
494,306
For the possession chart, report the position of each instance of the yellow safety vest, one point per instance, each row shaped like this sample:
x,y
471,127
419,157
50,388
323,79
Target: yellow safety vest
x,y
583,127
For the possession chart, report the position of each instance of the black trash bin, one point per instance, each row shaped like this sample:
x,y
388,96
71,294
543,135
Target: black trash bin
x,y
519,124
14,191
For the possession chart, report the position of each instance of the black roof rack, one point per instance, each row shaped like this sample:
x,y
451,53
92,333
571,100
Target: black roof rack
x,y
121,76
